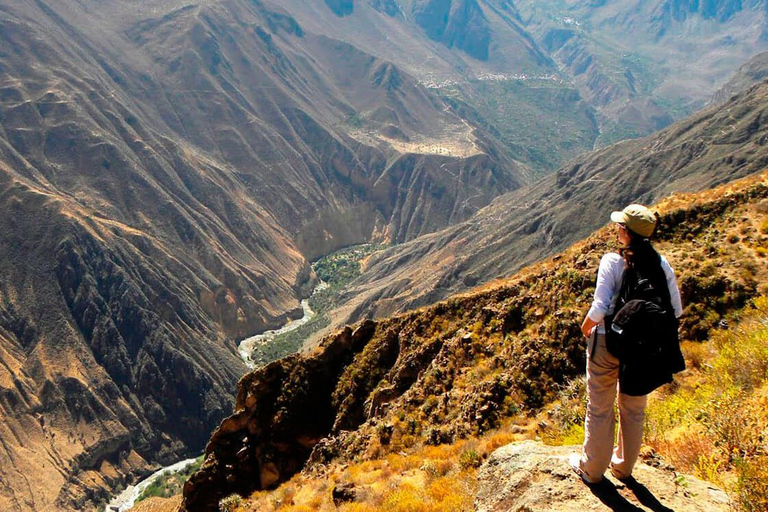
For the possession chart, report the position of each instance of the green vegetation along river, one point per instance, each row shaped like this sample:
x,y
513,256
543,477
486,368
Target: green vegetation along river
x,y
335,272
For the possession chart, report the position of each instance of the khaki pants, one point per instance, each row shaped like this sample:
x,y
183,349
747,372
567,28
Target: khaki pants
x,y
602,387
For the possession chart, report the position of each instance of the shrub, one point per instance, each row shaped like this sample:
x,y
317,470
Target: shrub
x,y
497,441
752,484
764,226
405,499
470,459
230,503
696,353
716,422
743,353
443,467
357,507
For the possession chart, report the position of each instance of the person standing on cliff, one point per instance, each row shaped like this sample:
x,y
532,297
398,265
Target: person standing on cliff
x,y
635,225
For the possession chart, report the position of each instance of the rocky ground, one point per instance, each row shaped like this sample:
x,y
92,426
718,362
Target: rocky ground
x,y
531,477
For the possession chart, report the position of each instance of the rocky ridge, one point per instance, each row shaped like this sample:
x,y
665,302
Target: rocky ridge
x,y
754,71
460,367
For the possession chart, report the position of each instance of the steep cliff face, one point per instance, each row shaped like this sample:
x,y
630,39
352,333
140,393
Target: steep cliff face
x,y
167,170
459,23
477,55
458,368
110,360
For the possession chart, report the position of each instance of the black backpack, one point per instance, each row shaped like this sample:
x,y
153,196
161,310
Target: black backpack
x,y
642,333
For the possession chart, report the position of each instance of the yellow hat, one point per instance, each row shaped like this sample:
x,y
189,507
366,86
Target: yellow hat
x,y
637,218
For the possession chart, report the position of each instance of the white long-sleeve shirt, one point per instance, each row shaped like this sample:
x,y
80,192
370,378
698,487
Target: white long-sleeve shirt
x,y
609,276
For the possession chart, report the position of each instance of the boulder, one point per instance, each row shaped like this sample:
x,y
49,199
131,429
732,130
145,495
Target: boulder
x,y
531,477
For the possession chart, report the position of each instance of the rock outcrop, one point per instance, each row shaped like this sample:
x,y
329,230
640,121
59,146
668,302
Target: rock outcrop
x,y
459,23
282,411
529,476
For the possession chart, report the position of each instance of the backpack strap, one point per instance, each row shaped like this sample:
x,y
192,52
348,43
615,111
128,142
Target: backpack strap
x,y
628,285
658,280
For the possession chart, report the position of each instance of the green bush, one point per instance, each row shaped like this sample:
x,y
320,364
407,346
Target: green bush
x,y
470,459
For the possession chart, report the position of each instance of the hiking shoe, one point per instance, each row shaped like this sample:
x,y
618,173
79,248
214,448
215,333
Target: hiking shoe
x,y
620,477
574,461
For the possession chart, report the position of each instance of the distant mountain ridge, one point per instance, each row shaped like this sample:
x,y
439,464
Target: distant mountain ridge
x,y
722,143
646,63
720,10
169,168
629,68
755,70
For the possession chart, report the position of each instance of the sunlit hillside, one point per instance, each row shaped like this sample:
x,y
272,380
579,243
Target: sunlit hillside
x,y
406,409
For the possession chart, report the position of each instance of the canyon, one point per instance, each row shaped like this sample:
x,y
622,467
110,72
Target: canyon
x,y
170,169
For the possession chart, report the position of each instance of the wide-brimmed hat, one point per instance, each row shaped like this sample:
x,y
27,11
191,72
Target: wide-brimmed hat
x,y
636,218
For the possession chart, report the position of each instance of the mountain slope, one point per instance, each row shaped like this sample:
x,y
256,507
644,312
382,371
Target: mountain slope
x,y
720,144
644,63
465,366
167,171
574,75
754,71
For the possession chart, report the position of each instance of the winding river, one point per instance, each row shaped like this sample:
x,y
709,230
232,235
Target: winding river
x,y
126,499
248,344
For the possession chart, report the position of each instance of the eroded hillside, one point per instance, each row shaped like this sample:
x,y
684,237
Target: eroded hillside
x,y
722,143
167,171
644,63
468,365
169,168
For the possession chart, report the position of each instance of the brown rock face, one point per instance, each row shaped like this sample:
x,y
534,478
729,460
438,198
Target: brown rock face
x,y
282,410
314,408
460,367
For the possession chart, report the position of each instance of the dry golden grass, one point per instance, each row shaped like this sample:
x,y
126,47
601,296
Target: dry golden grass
x,y
158,505
716,421
424,478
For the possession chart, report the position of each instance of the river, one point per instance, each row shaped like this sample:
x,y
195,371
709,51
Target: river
x,y
248,344
126,499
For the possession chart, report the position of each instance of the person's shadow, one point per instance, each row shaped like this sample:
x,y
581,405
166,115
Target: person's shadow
x,y
607,492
